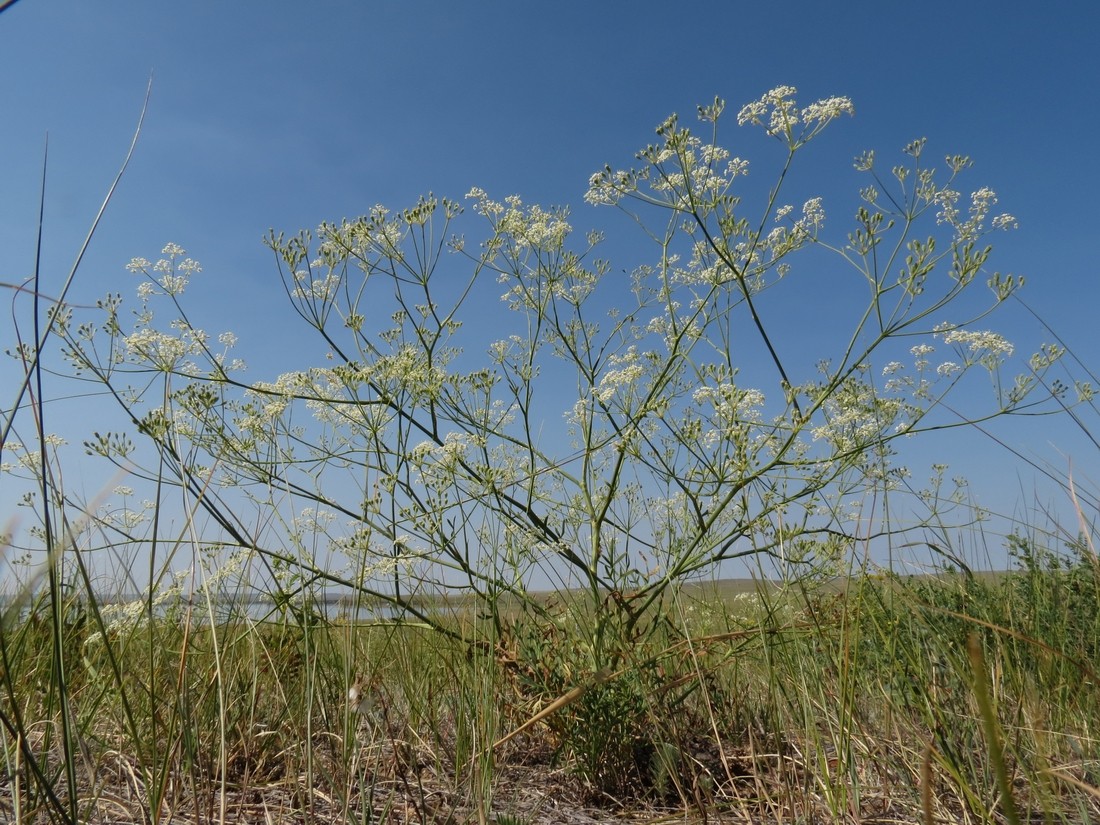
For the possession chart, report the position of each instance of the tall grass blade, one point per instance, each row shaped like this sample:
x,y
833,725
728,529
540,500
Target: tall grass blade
x,y
990,726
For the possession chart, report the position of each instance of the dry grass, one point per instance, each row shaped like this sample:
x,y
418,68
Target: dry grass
x,y
855,704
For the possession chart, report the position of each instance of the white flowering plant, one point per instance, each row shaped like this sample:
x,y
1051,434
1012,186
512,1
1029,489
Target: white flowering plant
x,y
607,436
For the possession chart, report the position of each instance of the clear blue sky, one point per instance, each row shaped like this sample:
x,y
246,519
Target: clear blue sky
x,y
279,114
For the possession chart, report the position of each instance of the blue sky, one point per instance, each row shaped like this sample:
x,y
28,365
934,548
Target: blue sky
x,y
277,114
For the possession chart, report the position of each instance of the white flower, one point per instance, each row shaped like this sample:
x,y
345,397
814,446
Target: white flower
x,y
813,214
625,373
713,154
980,341
782,115
825,110
173,284
783,112
947,199
318,289
155,346
737,167
981,200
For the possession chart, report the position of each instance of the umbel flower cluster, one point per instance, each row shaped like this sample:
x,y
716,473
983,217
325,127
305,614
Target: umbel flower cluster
x,y
617,435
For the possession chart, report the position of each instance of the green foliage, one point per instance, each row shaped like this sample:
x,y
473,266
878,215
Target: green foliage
x,y
608,730
1054,599
1033,628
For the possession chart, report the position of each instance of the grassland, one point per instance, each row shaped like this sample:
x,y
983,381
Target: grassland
x,y
947,698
